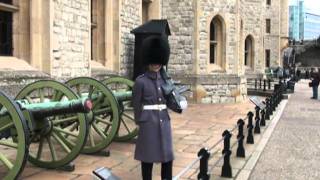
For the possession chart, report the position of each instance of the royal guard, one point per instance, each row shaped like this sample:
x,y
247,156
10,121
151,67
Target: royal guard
x,y
154,143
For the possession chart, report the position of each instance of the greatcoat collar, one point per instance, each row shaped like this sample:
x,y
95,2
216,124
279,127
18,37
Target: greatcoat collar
x,y
153,75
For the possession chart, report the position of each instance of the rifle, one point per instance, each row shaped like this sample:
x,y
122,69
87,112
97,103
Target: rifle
x,y
172,93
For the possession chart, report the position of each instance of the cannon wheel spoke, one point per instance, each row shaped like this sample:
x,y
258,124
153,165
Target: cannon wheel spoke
x,y
125,125
9,144
58,139
66,132
99,131
64,120
7,126
99,119
52,150
40,148
91,139
6,161
123,84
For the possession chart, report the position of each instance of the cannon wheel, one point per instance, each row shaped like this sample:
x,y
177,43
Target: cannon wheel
x,y
54,149
104,123
128,130
13,121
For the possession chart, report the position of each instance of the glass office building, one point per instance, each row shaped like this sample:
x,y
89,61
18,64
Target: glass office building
x,y
303,23
311,26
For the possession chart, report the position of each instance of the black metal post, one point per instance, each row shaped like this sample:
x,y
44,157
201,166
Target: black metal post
x,y
257,118
269,84
260,83
250,139
273,102
203,172
226,167
268,109
255,84
263,117
264,85
240,136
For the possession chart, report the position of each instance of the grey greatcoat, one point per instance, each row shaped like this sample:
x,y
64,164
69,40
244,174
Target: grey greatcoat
x,y
154,143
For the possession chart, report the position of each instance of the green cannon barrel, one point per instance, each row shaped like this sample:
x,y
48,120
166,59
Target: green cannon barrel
x,y
46,109
123,96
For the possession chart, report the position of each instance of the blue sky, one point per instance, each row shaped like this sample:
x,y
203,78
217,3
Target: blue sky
x,y
313,5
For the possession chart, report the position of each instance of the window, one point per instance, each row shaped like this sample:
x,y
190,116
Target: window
x,y
248,52
213,43
268,25
6,1
6,34
268,2
98,31
267,54
216,41
145,10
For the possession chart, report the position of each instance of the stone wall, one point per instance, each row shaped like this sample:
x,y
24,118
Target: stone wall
x,y
71,38
214,88
251,14
11,82
208,9
272,40
181,17
130,18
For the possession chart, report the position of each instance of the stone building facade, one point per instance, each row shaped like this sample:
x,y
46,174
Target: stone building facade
x,y
215,44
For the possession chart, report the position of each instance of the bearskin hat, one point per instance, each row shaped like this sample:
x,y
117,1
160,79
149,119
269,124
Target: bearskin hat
x,y
155,50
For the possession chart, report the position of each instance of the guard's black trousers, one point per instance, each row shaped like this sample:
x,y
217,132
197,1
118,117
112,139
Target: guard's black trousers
x,y
166,170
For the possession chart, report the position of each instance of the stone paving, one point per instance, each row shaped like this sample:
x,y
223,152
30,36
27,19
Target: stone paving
x,y
200,125
293,151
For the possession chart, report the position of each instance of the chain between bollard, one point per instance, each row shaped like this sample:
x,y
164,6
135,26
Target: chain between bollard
x,y
186,169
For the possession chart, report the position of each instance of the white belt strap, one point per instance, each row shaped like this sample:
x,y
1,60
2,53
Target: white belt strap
x,y
155,107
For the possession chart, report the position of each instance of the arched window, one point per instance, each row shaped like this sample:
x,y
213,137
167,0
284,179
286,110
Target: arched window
x,y
249,52
217,41
98,31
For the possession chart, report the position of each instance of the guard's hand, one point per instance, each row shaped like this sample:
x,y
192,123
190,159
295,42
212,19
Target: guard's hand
x,y
183,103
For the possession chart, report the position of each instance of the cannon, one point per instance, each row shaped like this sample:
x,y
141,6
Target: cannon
x,y
36,126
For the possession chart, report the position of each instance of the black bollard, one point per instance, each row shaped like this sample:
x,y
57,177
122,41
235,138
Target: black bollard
x,y
257,118
260,83
255,84
250,139
226,167
264,85
240,136
269,84
203,172
267,109
263,117
273,102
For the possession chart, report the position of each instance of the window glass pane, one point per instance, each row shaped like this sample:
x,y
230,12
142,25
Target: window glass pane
x,y
268,25
267,57
6,1
212,53
5,33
